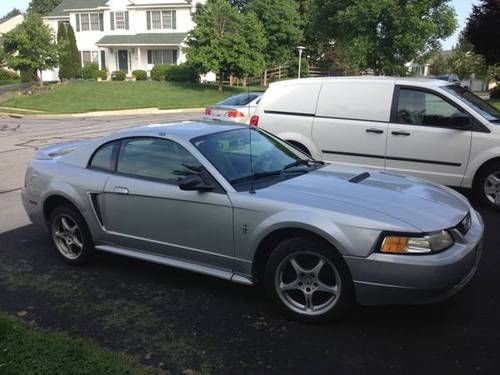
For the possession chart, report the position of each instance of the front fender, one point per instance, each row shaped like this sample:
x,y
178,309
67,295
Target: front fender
x,y
477,162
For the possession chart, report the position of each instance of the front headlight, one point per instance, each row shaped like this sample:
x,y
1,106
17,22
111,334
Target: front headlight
x,y
397,244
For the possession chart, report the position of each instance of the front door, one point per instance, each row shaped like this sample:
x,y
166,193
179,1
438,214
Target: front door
x,y
422,141
123,60
146,210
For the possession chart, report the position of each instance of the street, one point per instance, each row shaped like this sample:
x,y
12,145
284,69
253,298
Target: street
x,y
180,321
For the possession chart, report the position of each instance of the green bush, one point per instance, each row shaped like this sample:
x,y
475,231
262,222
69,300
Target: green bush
x,y
495,93
182,73
140,75
118,76
89,71
159,72
7,75
26,76
102,74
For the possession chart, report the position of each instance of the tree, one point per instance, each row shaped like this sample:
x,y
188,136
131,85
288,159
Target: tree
x,y
238,4
14,12
464,62
74,54
384,35
483,30
30,46
226,41
282,27
64,57
42,7
439,64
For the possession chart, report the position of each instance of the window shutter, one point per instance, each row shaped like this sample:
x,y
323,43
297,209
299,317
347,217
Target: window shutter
x,y
150,57
126,20
148,19
174,19
101,21
77,22
112,20
174,56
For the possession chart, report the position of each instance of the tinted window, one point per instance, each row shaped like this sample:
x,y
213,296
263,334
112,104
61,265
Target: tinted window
x,y
422,108
105,157
156,158
239,100
484,108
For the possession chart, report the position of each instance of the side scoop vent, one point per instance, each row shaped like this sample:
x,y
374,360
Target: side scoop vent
x,y
359,177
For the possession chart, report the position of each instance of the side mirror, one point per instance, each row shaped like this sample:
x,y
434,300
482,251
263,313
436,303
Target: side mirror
x,y
194,182
461,122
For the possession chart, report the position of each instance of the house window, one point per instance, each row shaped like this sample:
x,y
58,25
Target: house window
x,y
121,20
162,56
164,19
84,18
94,22
89,22
89,57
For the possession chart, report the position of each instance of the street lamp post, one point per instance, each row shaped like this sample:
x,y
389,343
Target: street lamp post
x,y
300,49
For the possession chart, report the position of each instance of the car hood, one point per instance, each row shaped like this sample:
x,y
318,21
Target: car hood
x,y
421,204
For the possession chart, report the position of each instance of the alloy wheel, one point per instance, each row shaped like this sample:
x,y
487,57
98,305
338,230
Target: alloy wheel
x,y
492,188
67,237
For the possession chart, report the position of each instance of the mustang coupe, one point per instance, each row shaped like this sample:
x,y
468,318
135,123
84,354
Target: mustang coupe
x,y
238,203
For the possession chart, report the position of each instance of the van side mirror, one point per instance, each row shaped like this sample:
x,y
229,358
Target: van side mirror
x,y
461,122
194,182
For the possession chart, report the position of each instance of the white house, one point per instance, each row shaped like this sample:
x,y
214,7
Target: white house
x,y
10,24
126,34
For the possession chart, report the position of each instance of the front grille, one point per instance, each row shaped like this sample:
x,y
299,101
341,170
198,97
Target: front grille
x,y
464,226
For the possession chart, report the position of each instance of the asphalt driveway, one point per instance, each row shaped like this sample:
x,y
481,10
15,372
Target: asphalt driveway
x,y
182,321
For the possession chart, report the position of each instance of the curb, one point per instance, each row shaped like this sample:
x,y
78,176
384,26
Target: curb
x,y
125,112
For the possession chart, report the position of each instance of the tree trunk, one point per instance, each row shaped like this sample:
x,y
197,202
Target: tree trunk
x,y
40,77
221,80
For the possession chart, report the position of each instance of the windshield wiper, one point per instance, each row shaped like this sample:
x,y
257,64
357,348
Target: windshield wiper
x,y
305,162
254,176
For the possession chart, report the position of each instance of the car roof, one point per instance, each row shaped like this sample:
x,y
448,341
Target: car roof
x,y
395,80
185,130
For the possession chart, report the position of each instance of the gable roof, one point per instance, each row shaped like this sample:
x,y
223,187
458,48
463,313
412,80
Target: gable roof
x,y
165,39
59,11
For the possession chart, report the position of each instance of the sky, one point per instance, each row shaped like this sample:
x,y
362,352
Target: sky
x,y
462,8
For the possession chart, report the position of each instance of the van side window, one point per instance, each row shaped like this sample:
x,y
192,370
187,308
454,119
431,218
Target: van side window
x,y
417,107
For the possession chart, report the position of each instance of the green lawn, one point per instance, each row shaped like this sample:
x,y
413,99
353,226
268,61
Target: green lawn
x,y
495,102
25,350
86,96
8,82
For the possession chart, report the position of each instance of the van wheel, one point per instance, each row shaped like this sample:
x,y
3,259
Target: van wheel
x,y
487,186
70,235
308,280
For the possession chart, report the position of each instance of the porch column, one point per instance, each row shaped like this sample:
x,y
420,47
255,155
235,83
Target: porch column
x,y
99,62
139,57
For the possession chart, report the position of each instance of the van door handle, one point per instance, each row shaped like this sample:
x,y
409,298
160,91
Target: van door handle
x,y
120,190
376,131
406,134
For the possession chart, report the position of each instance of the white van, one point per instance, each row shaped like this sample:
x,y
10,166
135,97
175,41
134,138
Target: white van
x,y
427,128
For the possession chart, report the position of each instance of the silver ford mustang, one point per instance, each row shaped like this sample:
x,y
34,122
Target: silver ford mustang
x,y
240,204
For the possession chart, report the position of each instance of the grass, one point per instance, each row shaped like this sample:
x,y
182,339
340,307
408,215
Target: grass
x,y
495,102
6,82
87,96
26,350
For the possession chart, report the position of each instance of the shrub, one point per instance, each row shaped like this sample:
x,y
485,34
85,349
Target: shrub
x,y
7,75
140,75
182,73
102,74
26,75
495,93
118,76
293,68
159,72
89,71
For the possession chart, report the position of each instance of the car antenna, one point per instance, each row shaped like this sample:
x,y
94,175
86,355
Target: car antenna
x,y
252,190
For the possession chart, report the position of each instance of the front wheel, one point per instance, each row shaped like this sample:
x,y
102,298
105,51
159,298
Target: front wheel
x,y
487,186
309,280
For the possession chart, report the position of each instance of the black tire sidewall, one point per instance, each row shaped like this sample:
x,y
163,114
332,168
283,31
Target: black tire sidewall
x,y
88,245
479,185
312,244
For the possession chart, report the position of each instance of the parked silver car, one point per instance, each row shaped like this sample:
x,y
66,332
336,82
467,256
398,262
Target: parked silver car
x,y
238,203
238,108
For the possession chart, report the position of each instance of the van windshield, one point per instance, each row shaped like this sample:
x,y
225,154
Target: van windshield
x,y
484,108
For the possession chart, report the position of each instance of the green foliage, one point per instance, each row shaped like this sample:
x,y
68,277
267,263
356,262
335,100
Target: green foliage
x,y
89,71
73,53
159,72
26,76
464,62
7,75
140,75
118,76
439,64
293,68
30,46
69,57
483,30
383,35
102,74
182,73
226,41
42,7
282,27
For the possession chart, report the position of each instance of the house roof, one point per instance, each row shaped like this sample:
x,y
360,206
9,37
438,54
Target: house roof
x,y
142,39
59,11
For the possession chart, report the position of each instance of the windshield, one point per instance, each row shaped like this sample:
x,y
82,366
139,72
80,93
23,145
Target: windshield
x,y
240,100
266,159
486,110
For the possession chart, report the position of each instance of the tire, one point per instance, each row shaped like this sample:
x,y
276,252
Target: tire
x,y
313,296
70,235
487,186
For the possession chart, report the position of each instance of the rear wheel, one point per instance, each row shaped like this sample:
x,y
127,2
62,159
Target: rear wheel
x,y
309,280
70,235
487,186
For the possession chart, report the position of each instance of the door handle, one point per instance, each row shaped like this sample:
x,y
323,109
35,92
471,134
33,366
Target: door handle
x,y
376,131
120,190
406,134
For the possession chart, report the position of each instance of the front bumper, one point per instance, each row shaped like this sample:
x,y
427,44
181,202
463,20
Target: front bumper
x,y
414,279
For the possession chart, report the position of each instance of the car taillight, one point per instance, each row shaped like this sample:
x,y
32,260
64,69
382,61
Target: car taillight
x,y
234,114
254,120
208,111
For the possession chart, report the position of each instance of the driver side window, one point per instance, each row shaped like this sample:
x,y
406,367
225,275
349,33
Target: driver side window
x,y
417,107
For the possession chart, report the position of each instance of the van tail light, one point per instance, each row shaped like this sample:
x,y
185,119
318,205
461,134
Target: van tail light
x,y
208,111
234,114
254,120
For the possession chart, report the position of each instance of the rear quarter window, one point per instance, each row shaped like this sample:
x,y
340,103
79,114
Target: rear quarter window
x,y
105,157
